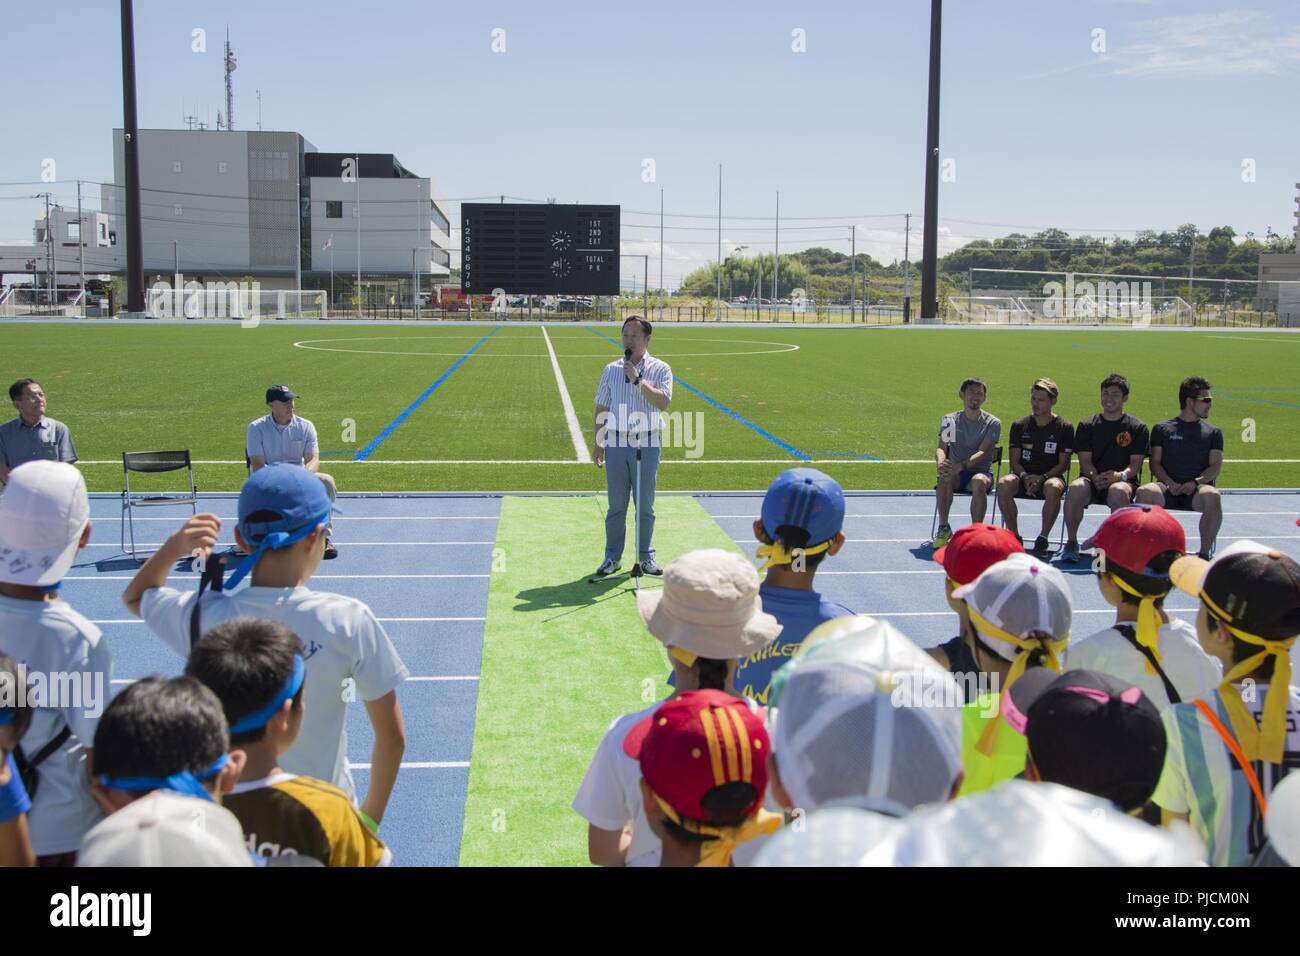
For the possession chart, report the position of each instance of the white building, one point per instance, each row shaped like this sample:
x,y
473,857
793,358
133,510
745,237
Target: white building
x,y
218,205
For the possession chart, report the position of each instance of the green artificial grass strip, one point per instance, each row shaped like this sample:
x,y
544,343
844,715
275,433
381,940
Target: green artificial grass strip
x,y
836,394
561,659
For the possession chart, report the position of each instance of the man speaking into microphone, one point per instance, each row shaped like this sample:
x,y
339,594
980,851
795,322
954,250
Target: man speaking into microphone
x,y
631,395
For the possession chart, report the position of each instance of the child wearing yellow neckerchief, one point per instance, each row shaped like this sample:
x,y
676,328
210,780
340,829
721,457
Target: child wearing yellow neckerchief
x,y
1228,750
703,757
1018,617
1146,646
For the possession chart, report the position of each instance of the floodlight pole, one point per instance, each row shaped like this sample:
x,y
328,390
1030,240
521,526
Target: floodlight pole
x,y
930,237
131,163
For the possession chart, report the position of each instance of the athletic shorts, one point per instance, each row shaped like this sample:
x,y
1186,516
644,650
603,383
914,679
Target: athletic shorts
x,y
966,474
1099,494
1021,493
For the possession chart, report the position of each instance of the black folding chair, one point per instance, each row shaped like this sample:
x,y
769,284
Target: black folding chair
x,y
996,462
1069,471
153,462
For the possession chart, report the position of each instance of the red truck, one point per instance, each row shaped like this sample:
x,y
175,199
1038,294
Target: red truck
x,y
455,299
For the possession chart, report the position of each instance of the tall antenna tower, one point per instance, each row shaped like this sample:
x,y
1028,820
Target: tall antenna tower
x,y
230,92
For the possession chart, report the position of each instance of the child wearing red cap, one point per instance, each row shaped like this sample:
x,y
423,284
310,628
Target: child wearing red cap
x,y
703,757
709,616
972,550
1146,646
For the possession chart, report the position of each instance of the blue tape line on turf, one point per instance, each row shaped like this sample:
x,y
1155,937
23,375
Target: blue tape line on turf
x,y
757,429
392,426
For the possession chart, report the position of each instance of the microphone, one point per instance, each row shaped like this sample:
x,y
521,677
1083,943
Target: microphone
x,y
627,356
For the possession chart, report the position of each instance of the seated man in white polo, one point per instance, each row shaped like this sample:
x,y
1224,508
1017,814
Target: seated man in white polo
x,y
283,436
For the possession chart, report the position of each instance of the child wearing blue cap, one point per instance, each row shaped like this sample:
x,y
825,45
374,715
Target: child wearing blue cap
x,y
283,515
803,512
257,672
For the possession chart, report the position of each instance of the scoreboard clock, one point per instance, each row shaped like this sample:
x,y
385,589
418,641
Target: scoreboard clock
x,y
539,249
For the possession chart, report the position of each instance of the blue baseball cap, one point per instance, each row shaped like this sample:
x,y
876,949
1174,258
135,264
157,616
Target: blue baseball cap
x,y
804,498
295,495
293,492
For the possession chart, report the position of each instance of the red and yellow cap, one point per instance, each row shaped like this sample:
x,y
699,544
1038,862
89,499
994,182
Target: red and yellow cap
x,y
697,741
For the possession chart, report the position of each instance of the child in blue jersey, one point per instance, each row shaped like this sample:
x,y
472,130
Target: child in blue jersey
x,y
803,512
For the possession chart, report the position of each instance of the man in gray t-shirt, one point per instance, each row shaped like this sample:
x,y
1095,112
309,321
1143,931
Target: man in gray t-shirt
x,y
282,436
963,456
32,436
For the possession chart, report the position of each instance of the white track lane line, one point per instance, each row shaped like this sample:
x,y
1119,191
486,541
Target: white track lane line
x,y
575,430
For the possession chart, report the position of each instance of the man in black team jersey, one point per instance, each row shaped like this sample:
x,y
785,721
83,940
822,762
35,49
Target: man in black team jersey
x,y
1041,445
1111,447
1186,456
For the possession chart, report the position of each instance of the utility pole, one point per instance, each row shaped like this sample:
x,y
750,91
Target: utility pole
x,y
719,290
853,258
776,257
907,268
51,275
661,242
81,246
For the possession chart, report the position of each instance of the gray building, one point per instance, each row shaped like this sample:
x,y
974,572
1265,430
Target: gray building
x,y
231,203
1283,267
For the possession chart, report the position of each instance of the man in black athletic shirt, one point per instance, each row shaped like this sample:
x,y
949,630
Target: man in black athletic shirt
x,y
1186,457
1111,448
1040,449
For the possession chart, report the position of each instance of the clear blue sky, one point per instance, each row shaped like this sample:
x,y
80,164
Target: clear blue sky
x,y
1043,129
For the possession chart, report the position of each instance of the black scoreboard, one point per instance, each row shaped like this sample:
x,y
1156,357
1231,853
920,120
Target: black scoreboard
x,y
539,249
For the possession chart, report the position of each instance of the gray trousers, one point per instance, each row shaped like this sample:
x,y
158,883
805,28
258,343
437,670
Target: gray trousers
x,y
620,483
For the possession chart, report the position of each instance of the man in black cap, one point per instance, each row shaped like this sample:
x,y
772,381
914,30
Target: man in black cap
x,y
1089,731
282,436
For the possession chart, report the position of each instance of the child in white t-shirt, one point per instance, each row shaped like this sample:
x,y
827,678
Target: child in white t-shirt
x,y
44,521
1146,646
283,514
712,584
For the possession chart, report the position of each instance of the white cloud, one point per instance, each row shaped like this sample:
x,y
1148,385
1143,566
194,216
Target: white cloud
x,y
1230,42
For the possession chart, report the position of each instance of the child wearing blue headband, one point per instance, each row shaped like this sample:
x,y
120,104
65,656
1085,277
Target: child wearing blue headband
x,y
283,518
255,668
162,734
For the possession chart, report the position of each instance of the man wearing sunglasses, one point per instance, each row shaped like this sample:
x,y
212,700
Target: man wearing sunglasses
x,y
1186,456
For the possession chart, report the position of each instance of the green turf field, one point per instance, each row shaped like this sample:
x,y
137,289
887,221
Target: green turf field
x,y
496,422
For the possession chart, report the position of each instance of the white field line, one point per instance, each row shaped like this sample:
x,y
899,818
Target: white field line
x,y
575,430
372,462
382,620
1184,515
181,576
912,540
420,765
349,544
338,518
456,677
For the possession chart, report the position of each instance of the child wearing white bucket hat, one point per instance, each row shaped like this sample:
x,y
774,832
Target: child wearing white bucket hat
x,y
708,616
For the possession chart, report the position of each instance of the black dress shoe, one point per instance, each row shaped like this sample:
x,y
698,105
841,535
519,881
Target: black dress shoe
x,y
648,566
608,568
